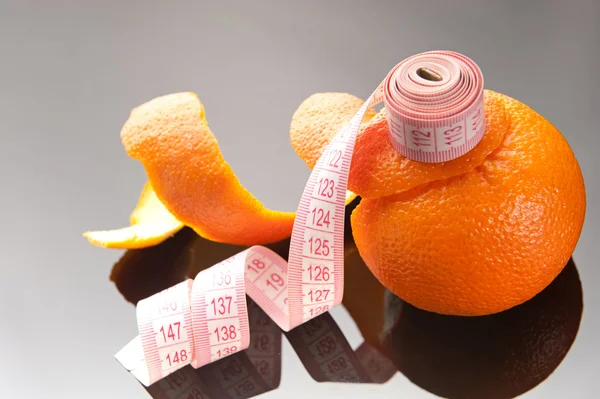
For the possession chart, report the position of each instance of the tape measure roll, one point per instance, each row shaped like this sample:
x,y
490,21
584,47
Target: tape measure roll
x,y
434,104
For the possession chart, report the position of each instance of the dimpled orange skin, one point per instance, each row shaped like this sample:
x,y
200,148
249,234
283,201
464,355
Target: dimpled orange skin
x,y
377,169
169,135
476,235
318,119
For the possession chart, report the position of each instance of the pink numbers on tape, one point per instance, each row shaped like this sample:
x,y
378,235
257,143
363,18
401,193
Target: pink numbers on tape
x,y
244,375
319,343
165,325
434,103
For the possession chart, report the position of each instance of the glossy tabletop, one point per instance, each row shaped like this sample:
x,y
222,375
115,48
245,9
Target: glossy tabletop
x,y
70,73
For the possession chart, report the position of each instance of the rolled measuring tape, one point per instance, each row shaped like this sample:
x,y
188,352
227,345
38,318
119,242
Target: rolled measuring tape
x,y
434,104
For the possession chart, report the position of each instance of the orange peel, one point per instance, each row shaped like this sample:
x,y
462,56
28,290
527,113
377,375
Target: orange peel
x,y
377,169
190,184
170,136
318,119
151,224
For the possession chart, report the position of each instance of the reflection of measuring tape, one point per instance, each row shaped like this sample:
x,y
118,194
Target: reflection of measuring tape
x,y
319,343
435,113
327,355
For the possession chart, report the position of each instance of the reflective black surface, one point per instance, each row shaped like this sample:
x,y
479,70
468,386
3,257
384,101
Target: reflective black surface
x,y
497,356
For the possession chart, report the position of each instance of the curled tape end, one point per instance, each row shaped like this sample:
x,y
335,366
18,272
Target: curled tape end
x,y
132,359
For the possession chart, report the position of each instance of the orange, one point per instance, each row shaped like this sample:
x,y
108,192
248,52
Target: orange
x,y
473,236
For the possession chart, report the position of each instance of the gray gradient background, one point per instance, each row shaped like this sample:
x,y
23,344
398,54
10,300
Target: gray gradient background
x,y
70,72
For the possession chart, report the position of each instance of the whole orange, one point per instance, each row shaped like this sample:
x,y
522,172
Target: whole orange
x,y
473,236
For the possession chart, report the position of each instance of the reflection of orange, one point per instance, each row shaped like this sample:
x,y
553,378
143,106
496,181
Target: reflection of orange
x,y
473,236
497,356
363,296
143,272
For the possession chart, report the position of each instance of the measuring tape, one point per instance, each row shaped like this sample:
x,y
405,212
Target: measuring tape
x,y
434,103
242,375
319,343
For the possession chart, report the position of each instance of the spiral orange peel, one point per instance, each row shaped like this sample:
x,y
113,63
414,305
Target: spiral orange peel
x,y
190,184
